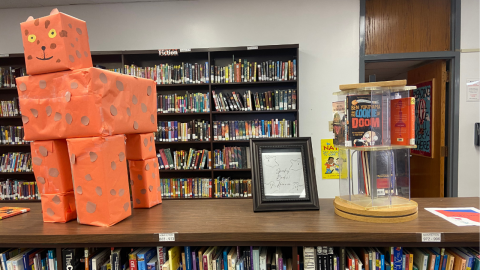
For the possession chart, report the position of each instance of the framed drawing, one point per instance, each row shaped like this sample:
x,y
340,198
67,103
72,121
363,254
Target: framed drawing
x,y
283,175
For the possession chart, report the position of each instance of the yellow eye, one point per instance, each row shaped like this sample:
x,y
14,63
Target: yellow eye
x,y
32,38
52,33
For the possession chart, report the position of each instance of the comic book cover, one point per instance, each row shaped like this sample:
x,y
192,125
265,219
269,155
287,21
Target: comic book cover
x,y
339,121
364,120
330,160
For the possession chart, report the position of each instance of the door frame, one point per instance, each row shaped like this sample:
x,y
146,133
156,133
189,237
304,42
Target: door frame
x,y
453,94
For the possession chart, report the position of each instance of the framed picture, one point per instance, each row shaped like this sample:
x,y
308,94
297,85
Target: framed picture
x,y
283,175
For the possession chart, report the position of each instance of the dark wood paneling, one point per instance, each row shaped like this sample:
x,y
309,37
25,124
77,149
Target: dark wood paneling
x,y
233,222
393,26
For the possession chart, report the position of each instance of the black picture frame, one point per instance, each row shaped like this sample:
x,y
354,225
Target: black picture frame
x,y
286,195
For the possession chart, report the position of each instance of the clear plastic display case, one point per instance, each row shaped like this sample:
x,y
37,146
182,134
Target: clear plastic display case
x,y
374,131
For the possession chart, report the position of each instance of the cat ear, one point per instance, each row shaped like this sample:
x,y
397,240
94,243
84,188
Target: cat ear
x,y
54,11
30,18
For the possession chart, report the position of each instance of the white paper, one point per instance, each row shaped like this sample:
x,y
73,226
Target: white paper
x,y
473,90
166,237
457,220
283,174
431,237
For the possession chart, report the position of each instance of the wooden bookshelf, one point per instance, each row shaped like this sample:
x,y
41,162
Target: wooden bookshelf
x,y
214,56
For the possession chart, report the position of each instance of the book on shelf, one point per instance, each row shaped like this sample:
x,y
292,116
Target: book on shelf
x,y
246,71
18,190
174,131
188,103
144,256
184,73
72,259
12,135
8,211
225,187
339,122
364,114
186,187
245,130
8,75
16,162
184,160
9,107
246,101
402,123
236,157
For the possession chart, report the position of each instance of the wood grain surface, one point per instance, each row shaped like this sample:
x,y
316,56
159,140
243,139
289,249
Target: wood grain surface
x,y
233,222
407,26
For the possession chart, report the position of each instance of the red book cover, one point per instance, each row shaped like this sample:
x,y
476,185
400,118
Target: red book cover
x,y
164,158
238,74
402,124
6,211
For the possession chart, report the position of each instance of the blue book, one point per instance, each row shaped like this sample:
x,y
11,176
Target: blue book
x,y
382,259
144,256
263,128
188,258
437,258
225,258
398,258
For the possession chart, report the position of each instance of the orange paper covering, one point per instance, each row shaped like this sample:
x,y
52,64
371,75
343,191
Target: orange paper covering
x,y
140,146
85,103
100,179
145,183
55,43
51,166
58,207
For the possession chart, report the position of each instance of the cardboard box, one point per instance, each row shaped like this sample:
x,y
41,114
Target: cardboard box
x,y
145,183
55,43
58,207
87,102
51,166
140,146
99,169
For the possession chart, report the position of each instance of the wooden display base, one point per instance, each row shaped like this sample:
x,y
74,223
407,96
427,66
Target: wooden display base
x,y
395,214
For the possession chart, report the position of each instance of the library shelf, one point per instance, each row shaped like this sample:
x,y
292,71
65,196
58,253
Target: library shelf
x,y
183,114
232,170
207,198
14,145
7,88
233,222
11,117
231,141
13,173
255,83
183,171
18,201
174,85
255,112
185,142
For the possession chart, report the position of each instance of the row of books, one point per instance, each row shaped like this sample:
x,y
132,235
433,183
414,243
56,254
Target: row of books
x,y
16,162
18,190
188,103
366,120
235,157
221,187
8,75
245,130
266,101
173,131
28,259
254,72
184,160
391,258
12,135
185,73
9,107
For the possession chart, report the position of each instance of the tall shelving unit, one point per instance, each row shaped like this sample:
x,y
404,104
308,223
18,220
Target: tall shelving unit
x,y
214,56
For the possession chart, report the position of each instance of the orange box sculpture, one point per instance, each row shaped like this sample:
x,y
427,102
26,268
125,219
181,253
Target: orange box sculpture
x,y
67,101
99,169
145,183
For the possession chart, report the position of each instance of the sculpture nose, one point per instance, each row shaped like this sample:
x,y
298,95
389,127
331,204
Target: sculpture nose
x,y
43,48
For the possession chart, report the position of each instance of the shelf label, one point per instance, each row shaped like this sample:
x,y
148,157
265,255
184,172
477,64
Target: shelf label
x,y
380,192
168,52
185,50
166,237
431,237
252,48
4,54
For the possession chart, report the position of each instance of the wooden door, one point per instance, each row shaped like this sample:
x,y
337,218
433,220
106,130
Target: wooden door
x,y
428,172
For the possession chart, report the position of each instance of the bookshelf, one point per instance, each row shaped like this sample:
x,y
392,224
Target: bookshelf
x,y
214,56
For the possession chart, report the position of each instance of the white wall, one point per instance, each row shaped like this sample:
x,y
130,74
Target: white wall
x,y
327,32
469,155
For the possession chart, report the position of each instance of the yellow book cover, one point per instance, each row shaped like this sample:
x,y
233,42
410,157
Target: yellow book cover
x,y
410,262
174,258
330,159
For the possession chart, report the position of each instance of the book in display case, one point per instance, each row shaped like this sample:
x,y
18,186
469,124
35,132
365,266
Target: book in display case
x,y
374,130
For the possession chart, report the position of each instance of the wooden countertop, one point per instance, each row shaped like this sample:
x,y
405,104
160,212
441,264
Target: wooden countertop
x,y
233,222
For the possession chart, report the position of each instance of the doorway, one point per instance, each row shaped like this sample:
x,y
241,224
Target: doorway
x,y
428,161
